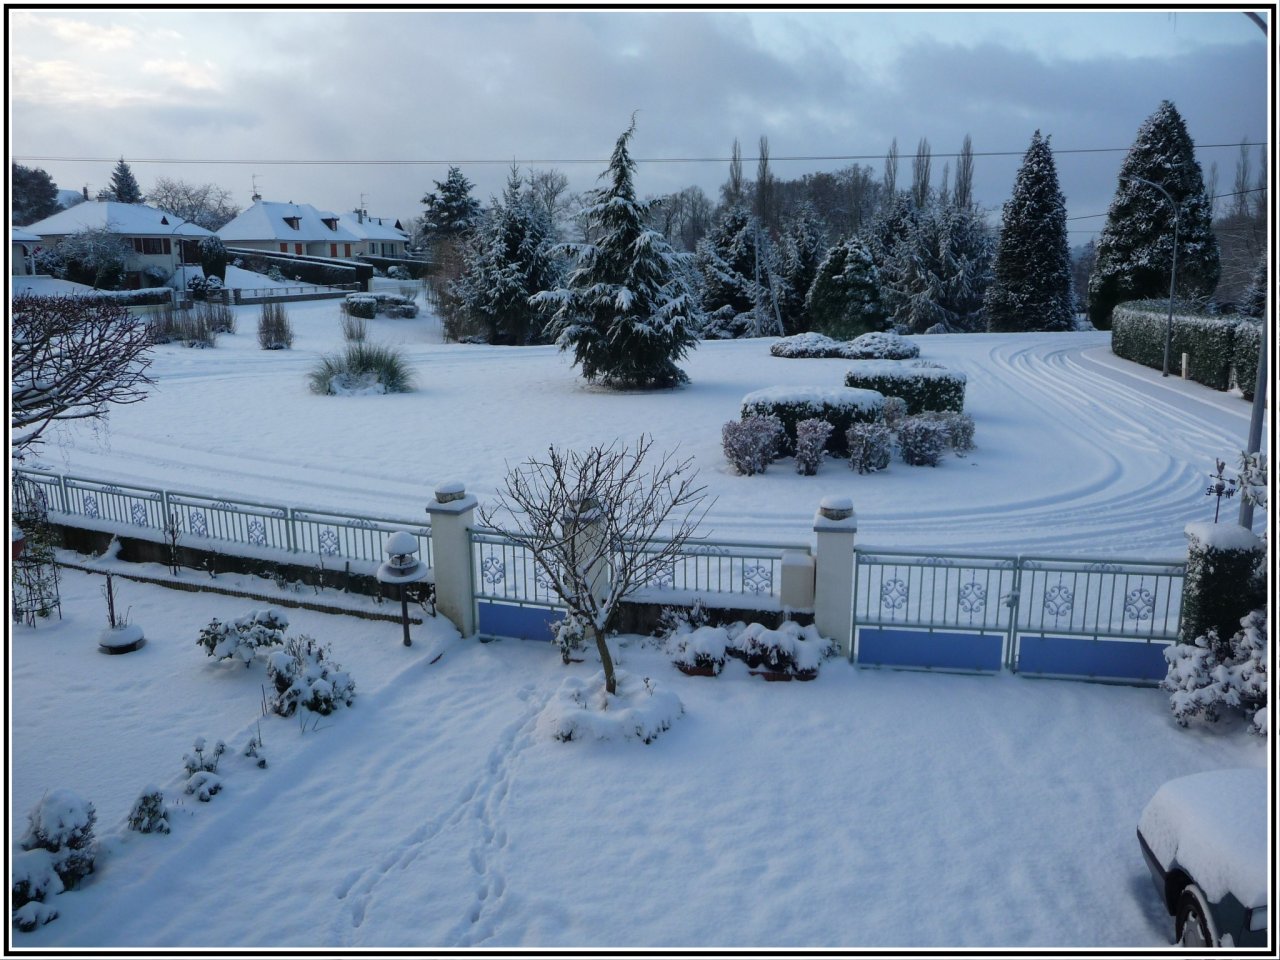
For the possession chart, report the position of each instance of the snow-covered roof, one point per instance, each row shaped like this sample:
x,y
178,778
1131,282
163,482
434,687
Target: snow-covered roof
x,y
129,219
18,235
268,220
373,228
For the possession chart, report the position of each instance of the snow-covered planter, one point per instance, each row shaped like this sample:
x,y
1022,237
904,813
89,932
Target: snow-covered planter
x,y
811,445
810,345
124,638
699,652
1222,582
304,675
149,813
924,385
582,710
242,638
789,652
62,825
752,443
841,407
921,441
1138,332
870,447
881,346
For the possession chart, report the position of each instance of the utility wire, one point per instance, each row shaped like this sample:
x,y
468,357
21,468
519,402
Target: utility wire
x,y
1216,196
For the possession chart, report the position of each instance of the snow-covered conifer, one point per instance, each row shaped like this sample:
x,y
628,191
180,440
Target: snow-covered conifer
x,y
624,308
451,209
802,249
1031,282
844,299
1135,248
124,185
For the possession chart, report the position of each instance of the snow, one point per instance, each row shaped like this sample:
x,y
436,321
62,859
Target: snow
x,y
265,220
817,397
43,285
1214,825
128,219
1221,536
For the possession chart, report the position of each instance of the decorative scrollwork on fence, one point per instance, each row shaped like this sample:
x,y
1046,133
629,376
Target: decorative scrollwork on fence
x,y
138,513
361,524
257,533
543,581
1102,567
328,543
1139,604
111,488
493,570
706,550
757,578
197,523
937,562
1058,601
224,505
973,599
894,594
89,505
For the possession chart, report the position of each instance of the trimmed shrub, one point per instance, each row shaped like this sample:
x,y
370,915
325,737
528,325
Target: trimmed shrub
x,y
895,408
809,346
882,346
149,814
959,427
921,441
922,384
362,368
869,447
1138,334
1244,356
303,675
841,407
242,637
750,444
369,305
274,330
1221,583
811,445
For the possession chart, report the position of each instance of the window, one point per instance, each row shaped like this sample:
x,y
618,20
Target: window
x,y
330,222
333,249
151,246
284,248
297,248
293,222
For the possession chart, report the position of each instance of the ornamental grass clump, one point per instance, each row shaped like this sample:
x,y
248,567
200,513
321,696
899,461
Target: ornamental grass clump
x,y
274,330
361,369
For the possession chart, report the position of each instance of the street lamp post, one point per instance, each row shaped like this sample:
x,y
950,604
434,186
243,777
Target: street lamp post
x,y
1173,270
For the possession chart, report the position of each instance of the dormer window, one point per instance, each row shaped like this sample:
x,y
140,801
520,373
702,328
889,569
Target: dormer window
x,y
294,222
330,222
165,221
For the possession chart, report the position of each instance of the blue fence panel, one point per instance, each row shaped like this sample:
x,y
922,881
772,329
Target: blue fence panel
x,y
515,621
930,649
1119,660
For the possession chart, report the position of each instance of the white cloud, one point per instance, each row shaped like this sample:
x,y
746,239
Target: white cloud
x,y
197,76
90,35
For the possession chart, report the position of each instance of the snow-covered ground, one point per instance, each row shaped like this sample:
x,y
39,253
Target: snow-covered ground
x,y
1078,452
867,808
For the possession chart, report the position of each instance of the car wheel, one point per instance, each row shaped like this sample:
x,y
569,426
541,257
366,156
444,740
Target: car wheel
x,y
1195,923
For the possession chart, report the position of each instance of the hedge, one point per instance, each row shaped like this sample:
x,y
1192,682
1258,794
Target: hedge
x,y
1222,582
1244,356
841,407
387,304
1138,334
137,298
923,385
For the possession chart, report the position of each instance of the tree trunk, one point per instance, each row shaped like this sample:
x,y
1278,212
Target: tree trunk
x,y
610,681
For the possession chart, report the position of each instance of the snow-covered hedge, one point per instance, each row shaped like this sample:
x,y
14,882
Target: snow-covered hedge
x,y
882,346
841,407
362,305
959,427
1138,334
790,649
1222,581
136,298
922,384
387,304
810,345
1244,358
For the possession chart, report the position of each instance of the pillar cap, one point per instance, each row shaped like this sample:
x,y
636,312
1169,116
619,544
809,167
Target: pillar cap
x,y
450,490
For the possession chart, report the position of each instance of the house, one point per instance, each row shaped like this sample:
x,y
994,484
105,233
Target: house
x,y
22,244
162,242
380,236
295,228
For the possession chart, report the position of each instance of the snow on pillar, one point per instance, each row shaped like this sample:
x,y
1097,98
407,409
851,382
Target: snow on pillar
x,y
452,513
797,580
836,526
584,524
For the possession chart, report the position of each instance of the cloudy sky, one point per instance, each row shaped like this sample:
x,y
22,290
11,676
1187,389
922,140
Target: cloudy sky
x,y
549,88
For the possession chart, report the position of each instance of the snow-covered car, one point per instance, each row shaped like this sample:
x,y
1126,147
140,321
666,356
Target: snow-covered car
x,y
1204,838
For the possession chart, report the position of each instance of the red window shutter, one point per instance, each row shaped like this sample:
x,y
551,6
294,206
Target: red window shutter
x,y
297,248
167,247
333,249
284,248
346,249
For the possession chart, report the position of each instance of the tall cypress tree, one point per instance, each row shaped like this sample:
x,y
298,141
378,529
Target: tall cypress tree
x,y
1135,248
624,309
124,186
1031,289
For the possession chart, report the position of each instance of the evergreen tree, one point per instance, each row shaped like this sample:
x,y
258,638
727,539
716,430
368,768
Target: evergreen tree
x,y
739,278
1255,295
34,195
1031,282
803,248
451,209
124,186
844,301
509,262
213,257
1135,248
624,308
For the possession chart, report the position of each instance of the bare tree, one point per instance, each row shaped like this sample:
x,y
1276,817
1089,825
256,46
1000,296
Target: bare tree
x,y
205,204
548,187
891,171
600,525
71,356
734,191
963,196
920,168
765,200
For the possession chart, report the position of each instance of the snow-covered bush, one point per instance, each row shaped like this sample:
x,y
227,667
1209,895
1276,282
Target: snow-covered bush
x,y
841,407
1208,675
790,649
35,881
304,675
869,446
369,305
583,710
274,272
62,824
895,408
924,385
1221,584
217,317
202,770
242,637
397,272
680,620
811,445
959,427
751,444
810,345
921,441
255,751
149,813
701,650
360,305
274,330
881,345
363,368
571,636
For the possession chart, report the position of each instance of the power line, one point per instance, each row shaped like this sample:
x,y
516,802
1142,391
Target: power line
x,y
507,161
1216,196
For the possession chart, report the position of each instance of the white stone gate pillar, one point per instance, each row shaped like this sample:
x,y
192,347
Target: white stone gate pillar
x,y
452,513
836,526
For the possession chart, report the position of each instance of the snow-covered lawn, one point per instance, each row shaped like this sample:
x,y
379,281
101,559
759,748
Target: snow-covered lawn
x,y
866,808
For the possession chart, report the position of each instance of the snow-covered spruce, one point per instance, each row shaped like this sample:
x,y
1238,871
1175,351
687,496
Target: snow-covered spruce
x,y
752,443
739,279
303,674
923,384
242,638
581,709
841,407
882,345
149,813
870,447
1209,675
811,445
921,441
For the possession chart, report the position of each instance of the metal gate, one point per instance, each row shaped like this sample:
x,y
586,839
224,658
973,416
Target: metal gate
x,y
1105,620
513,598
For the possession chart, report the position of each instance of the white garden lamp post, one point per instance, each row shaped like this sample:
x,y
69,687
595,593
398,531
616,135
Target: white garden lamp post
x,y
1173,270
402,567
